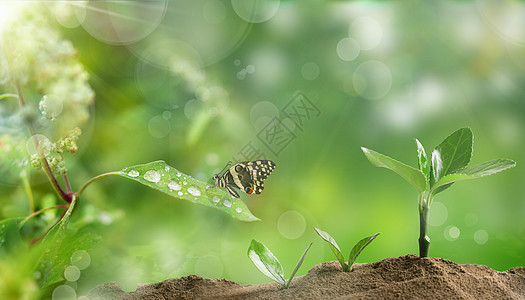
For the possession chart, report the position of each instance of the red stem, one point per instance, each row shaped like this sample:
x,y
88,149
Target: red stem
x,y
47,169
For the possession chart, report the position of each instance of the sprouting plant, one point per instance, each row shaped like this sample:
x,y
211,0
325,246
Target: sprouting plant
x,y
356,250
269,265
448,164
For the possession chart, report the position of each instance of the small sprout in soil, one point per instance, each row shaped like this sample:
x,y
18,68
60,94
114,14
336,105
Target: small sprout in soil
x,y
448,164
358,248
269,265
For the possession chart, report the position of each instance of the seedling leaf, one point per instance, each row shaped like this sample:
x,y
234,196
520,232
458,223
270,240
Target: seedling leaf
x,y
422,160
162,177
359,247
452,154
266,262
298,265
335,248
477,171
410,174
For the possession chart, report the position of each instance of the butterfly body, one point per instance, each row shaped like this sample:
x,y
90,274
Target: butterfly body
x,y
247,176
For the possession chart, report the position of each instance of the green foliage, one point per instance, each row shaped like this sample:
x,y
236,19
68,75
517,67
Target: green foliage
x,y
410,174
356,250
449,162
477,171
335,248
9,236
269,265
159,176
52,243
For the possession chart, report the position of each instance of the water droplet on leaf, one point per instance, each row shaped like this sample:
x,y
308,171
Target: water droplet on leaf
x,y
133,173
194,191
227,203
174,185
152,176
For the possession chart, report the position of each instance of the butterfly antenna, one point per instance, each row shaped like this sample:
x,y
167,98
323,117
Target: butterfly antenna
x,y
223,169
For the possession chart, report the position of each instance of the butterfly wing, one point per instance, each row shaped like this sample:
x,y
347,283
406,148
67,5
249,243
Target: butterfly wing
x,y
247,176
260,170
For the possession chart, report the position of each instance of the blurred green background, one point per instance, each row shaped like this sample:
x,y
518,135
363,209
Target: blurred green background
x,y
193,82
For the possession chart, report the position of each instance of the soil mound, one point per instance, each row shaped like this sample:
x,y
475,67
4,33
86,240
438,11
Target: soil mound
x,y
406,277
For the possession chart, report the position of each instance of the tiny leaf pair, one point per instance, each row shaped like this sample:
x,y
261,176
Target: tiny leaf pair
x,y
269,265
358,248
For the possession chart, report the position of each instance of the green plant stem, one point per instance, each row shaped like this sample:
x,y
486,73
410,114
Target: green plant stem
x,y
36,213
93,180
3,96
27,188
424,240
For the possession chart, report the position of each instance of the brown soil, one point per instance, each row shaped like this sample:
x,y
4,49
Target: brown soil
x,y
406,277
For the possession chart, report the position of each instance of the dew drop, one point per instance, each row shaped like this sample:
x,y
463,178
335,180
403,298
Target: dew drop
x,y
215,199
152,176
185,183
238,209
133,173
208,187
166,168
227,203
178,174
174,185
180,193
194,191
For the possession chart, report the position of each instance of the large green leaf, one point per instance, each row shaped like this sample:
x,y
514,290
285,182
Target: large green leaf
x,y
162,177
452,154
414,176
298,265
69,245
51,246
358,248
266,262
335,248
476,171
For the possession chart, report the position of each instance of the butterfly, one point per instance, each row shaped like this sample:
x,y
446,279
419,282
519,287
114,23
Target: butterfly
x,y
247,176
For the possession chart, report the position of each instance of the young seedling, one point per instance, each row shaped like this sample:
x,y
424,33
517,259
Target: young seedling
x,y
448,164
358,248
269,265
